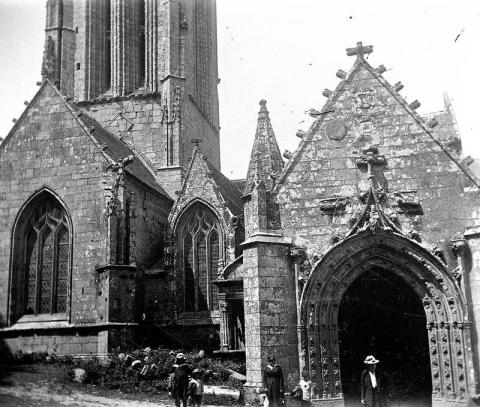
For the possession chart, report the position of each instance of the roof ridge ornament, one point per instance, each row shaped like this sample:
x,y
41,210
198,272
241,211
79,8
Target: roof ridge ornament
x,y
360,50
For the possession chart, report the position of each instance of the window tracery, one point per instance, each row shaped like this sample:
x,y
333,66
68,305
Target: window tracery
x,y
42,258
200,239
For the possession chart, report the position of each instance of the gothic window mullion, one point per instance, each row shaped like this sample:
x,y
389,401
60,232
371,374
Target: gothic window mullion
x,y
54,279
195,271
214,246
61,268
31,270
38,282
188,268
47,271
208,270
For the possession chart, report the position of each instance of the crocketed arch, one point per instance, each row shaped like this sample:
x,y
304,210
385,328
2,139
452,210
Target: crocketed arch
x,y
441,297
200,246
41,257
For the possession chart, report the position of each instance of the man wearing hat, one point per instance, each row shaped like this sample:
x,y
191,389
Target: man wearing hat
x,y
180,380
374,387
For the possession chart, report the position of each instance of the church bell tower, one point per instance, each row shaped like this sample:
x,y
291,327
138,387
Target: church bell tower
x,y
146,70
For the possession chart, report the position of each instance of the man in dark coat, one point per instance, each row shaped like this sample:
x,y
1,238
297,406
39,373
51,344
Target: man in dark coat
x,y
180,380
374,387
273,378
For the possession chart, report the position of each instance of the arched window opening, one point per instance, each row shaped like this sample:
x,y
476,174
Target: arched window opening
x,y
141,43
41,258
108,47
214,246
200,237
189,277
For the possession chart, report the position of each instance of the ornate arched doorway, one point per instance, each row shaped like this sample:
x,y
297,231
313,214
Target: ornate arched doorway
x,y
381,315
447,328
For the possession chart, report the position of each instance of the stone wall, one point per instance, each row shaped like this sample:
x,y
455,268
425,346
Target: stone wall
x,y
60,342
148,214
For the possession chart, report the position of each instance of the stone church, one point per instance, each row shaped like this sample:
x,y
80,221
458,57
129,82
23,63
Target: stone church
x,y
118,226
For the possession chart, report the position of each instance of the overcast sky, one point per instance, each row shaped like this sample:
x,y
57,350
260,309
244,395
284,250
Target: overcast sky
x,y
287,51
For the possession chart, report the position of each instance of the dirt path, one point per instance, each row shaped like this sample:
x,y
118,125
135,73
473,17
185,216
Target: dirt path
x,y
21,396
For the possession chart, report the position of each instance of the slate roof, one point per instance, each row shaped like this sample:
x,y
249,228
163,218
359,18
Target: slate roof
x,y
228,189
239,183
117,150
110,146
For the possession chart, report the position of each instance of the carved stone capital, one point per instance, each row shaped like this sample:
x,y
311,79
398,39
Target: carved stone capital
x,y
335,204
296,253
459,247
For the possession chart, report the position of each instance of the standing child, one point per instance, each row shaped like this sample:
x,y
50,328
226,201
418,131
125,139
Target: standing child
x,y
179,380
195,388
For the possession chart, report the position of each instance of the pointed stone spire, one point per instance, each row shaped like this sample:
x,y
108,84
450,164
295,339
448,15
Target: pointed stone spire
x,y
266,160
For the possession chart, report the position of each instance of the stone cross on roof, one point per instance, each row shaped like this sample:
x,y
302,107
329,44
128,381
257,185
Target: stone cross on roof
x,y
359,50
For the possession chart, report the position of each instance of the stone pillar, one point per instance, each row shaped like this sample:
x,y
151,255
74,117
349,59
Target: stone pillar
x,y
270,311
470,266
225,323
125,46
297,253
151,45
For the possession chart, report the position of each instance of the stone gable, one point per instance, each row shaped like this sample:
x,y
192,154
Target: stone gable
x,y
201,184
48,148
319,188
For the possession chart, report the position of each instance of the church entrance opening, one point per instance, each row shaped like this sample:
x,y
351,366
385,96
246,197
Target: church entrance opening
x,y
381,315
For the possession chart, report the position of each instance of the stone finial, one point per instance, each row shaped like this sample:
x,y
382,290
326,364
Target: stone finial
x,y
433,122
327,93
381,69
341,74
196,141
263,112
25,102
359,50
301,134
287,154
313,112
398,86
414,105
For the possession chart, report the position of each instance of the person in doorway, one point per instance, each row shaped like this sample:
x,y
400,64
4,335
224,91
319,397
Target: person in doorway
x,y
273,378
179,385
374,386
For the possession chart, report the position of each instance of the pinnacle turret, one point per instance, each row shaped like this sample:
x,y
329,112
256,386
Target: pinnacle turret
x,y
266,160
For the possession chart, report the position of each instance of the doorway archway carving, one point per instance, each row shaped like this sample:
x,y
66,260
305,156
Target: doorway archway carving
x,y
448,327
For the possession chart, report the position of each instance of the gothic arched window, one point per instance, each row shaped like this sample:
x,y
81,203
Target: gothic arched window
x,y
200,248
42,255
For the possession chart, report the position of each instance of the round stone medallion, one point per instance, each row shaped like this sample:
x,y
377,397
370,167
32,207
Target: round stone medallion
x,y
336,130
